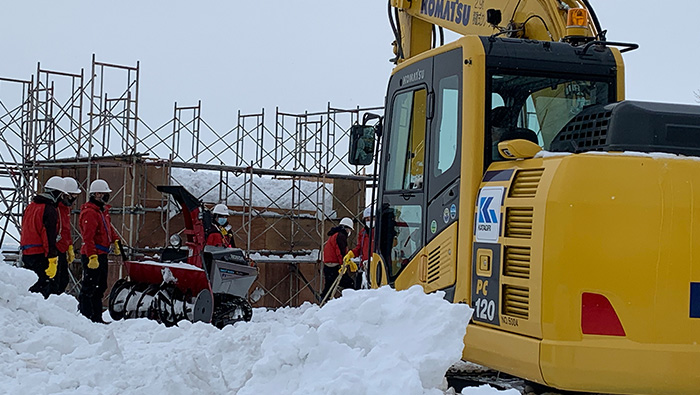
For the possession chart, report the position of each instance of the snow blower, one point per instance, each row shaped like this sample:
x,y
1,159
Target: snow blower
x,y
194,282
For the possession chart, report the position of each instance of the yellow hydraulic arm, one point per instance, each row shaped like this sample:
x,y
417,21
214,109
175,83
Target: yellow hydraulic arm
x,y
544,20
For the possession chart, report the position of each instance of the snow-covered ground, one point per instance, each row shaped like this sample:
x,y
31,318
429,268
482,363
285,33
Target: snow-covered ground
x,y
366,342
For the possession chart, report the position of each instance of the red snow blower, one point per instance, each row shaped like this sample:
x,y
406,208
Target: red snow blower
x,y
194,282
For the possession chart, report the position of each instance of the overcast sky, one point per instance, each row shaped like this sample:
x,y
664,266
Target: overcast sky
x,y
297,55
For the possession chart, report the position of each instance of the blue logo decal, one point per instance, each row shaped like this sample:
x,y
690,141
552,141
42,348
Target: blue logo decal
x,y
488,211
487,215
453,211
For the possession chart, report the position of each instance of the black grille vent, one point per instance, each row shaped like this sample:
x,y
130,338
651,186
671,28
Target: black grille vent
x,y
632,126
588,131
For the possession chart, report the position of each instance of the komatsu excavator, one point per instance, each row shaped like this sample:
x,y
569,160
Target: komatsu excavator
x,y
515,177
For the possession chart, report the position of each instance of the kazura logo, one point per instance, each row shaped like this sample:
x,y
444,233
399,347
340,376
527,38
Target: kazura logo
x,y
413,77
451,11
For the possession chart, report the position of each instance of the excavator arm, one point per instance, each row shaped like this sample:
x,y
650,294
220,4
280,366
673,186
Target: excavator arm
x,y
415,21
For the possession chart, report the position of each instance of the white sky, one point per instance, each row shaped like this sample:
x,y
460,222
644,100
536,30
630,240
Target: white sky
x,y
365,342
296,55
231,54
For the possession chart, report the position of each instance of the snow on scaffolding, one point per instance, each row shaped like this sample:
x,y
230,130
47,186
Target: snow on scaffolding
x,y
267,192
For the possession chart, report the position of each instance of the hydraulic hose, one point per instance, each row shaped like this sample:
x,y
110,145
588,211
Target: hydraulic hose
x,y
396,29
594,17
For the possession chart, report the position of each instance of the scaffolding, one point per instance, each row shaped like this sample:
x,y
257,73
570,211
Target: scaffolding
x,y
63,123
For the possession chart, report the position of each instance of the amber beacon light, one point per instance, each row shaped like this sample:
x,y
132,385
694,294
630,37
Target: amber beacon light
x,y
577,22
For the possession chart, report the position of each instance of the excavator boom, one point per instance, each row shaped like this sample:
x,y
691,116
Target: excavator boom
x,y
544,20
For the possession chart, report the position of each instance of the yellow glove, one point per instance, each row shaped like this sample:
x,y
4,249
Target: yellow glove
x,y
51,270
347,258
93,263
352,265
117,251
70,254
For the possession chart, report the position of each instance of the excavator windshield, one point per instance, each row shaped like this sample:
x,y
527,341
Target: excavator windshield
x,y
538,107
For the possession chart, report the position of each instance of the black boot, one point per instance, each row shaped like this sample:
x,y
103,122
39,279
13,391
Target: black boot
x,y
97,311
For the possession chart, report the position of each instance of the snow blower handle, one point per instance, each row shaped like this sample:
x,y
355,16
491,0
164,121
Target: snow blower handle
x,y
120,249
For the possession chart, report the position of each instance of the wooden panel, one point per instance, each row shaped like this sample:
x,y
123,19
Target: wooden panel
x,y
349,198
281,282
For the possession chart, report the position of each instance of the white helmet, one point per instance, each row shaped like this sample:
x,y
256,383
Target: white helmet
x,y
56,183
367,213
71,185
99,186
347,222
220,209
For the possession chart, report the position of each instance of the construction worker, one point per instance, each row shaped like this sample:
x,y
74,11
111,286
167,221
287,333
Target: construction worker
x,y
64,242
362,250
334,250
98,235
39,232
220,233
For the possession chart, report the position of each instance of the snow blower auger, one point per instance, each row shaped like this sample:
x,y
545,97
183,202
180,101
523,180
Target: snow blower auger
x,y
195,282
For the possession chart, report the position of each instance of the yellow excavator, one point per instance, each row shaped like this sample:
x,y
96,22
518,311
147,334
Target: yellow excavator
x,y
513,176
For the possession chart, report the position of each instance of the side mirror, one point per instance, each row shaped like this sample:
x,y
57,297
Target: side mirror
x,y
361,145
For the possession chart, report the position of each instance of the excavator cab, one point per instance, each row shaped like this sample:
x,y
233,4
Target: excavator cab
x,y
441,136
548,248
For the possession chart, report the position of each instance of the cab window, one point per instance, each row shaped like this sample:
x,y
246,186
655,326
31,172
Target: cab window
x,y
405,162
447,112
536,108
404,227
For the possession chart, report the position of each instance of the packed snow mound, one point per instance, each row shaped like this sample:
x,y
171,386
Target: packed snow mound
x,y
366,342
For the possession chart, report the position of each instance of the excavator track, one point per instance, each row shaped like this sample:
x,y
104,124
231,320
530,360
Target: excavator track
x,y
466,374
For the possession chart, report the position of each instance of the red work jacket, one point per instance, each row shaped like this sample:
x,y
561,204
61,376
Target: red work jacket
x,y
216,237
362,248
39,224
96,229
336,247
66,238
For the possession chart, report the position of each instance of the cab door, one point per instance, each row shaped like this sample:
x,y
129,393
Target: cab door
x,y
420,179
401,231
437,268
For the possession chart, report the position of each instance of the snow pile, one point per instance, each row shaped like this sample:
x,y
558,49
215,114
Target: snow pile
x,y
268,192
366,342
